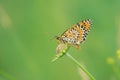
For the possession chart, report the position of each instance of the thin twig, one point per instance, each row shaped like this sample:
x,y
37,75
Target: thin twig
x,y
80,66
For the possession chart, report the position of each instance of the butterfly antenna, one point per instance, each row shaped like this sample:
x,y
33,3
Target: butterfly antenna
x,y
55,37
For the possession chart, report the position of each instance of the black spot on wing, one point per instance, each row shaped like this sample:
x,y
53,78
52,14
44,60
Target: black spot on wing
x,y
78,24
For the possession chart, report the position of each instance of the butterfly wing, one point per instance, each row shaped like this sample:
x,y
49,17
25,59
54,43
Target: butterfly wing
x,y
76,34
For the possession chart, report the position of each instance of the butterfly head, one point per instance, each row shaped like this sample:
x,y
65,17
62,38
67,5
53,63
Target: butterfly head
x,y
58,39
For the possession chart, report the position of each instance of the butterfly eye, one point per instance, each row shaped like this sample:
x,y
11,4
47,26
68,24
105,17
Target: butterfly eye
x,y
58,38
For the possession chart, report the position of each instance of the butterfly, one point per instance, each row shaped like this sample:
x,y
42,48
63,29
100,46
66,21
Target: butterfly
x,y
76,35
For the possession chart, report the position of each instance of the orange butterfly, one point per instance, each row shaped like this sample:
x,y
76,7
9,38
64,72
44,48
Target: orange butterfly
x,y
76,34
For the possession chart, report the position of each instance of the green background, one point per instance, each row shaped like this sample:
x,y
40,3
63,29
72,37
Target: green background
x,y
27,43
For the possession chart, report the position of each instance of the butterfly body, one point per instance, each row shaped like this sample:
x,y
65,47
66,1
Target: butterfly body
x,y
76,34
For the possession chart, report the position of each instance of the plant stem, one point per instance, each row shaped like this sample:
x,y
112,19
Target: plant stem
x,y
80,66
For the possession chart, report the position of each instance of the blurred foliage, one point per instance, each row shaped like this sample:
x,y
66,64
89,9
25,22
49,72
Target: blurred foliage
x,y
115,64
27,29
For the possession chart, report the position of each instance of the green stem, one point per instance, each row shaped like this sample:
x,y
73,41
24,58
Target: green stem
x,y
80,66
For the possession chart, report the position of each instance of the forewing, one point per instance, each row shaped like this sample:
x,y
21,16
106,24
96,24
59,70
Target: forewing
x,y
77,33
